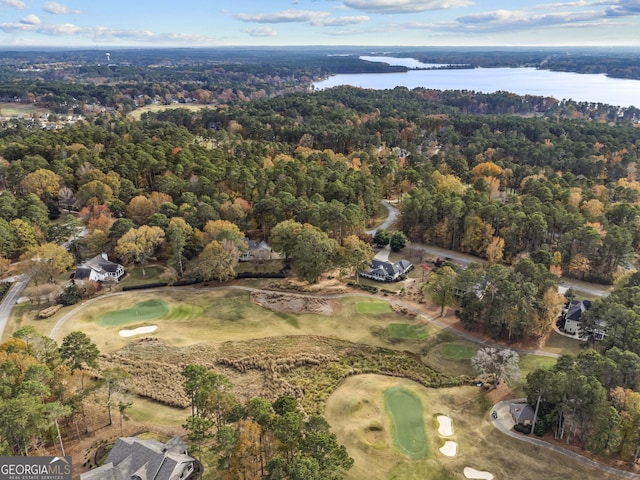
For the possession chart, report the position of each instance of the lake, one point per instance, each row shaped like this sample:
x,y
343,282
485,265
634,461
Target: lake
x,y
595,88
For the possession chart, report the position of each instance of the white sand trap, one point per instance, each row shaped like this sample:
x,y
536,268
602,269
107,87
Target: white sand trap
x,y
449,449
138,331
446,426
477,474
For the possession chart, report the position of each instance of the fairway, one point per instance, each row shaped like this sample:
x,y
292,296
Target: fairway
x,y
457,351
140,312
407,331
405,410
373,307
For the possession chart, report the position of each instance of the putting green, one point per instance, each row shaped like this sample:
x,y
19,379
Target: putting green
x,y
407,330
405,410
140,312
457,351
373,307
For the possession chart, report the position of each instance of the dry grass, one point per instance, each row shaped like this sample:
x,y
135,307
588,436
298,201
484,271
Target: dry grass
x,y
137,113
356,412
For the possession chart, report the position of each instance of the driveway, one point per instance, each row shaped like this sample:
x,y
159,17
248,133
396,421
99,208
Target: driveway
x,y
505,423
391,219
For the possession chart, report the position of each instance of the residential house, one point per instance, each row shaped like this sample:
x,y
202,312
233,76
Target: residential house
x,y
99,269
132,458
385,271
256,251
573,317
522,413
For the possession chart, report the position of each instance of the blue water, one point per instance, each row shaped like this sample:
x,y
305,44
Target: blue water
x,y
595,88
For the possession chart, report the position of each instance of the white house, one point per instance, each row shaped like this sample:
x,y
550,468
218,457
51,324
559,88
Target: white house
x,y
99,269
385,271
573,318
134,458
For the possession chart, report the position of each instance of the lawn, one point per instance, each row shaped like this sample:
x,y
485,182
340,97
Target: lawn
x,y
137,113
407,331
405,411
17,109
457,351
357,414
373,307
140,312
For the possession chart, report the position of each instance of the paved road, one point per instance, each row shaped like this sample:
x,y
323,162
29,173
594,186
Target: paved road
x,y
464,260
504,423
10,299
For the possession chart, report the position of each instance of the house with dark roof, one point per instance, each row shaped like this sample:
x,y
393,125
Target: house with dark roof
x,y
522,413
256,251
132,458
99,268
573,317
385,271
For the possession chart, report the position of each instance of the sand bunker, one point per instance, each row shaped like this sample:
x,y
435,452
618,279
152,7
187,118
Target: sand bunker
x,y
279,302
138,331
446,426
477,474
449,449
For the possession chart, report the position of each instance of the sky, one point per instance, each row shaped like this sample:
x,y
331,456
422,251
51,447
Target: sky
x,y
105,23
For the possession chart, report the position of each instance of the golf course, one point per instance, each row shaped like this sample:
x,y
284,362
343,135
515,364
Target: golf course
x,y
331,348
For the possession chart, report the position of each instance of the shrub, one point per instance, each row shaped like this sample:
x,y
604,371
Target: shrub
x,y
49,312
70,296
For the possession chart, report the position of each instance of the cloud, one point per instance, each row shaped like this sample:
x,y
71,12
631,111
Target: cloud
x,y
106,34
341,21
31,20
58,8
14,4
315,18
509,20
287,16
405,6
624,8
260,32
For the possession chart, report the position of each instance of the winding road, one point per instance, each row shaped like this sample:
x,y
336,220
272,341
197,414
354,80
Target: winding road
x,y
464,260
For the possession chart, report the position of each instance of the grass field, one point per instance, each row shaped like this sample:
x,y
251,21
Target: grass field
x,y
137,113
405,410
357,415
457,351
18,109
148,310
407,331
214,315
373,307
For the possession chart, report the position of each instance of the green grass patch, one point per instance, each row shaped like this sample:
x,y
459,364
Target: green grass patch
x,y
185,311
529,363
140,312
457,351
290,319
373,307
405,410
407,330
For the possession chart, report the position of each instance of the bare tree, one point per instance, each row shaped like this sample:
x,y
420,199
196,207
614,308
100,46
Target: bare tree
x,y
497,365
